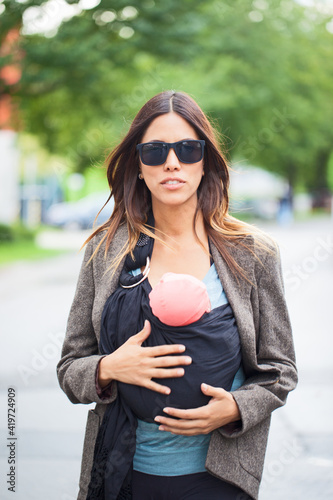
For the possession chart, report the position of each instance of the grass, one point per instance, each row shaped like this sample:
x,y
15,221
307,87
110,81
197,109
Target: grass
x,y
11,251
244,216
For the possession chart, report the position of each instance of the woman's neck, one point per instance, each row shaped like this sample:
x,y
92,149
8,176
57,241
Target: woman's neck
x,y
177,223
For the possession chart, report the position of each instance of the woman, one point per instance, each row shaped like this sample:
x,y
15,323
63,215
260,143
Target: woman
x,y
178,329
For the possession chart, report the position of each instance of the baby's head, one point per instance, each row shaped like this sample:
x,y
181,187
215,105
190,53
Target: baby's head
x,y
179,299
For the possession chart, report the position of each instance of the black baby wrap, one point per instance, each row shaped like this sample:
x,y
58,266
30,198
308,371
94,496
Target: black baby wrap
x,y
212,342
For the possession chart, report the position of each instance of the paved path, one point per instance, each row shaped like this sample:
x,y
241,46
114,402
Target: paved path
x,y
34,303
299,462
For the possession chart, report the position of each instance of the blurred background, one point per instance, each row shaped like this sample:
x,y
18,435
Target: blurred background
x,y
72,77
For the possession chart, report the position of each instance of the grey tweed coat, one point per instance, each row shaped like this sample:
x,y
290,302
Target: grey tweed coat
x,y
267,352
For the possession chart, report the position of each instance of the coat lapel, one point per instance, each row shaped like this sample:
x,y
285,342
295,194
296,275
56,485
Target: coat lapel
x,y
106,280
238,293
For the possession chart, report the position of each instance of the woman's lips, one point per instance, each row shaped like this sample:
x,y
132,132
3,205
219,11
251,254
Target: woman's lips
x,y
172,184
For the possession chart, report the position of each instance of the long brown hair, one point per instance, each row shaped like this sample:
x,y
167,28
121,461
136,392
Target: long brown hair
x,y
132,200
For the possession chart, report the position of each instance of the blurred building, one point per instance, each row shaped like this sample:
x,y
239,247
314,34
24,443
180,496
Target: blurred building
x,y
9,156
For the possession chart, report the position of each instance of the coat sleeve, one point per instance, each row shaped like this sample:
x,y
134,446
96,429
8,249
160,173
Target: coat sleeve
x,y
268,388
78,365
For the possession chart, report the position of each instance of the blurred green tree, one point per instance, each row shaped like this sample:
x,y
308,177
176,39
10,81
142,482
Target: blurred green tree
x,y
269,75
262,68
80,81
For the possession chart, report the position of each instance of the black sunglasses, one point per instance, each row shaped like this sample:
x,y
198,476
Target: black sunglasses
x,y
155,153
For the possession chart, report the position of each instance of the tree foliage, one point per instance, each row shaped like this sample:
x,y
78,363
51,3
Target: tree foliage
x,y
262,69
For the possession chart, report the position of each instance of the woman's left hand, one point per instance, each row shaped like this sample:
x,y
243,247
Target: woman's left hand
x,y
221,410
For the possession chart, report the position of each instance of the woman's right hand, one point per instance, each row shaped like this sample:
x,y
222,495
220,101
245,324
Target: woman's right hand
x,y
133,364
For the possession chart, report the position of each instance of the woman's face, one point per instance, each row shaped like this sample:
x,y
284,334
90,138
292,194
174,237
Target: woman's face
x,y
173,183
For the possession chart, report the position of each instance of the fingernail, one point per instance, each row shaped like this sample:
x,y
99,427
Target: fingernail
x,y
204,386
157,419
166,410
180,371
161,428
182,348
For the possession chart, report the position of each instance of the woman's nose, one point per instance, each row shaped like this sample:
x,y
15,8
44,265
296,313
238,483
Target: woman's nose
x,y
172,162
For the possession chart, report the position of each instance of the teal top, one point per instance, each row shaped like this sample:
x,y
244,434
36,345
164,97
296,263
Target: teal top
x,y
162,453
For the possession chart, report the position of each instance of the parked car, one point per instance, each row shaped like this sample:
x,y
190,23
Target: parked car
x,y
80,214
256,192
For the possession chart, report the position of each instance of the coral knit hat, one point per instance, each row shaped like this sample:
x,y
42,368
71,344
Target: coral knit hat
x,y
179,299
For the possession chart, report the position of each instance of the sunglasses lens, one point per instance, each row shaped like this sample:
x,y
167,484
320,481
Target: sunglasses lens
x,y
153,153
189,151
